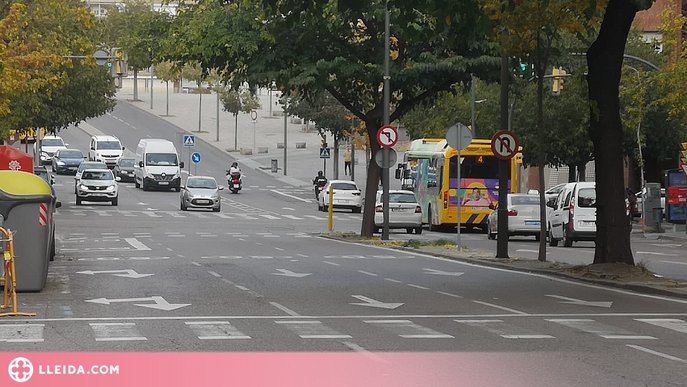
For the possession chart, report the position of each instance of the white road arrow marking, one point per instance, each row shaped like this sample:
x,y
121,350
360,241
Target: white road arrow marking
x,y
160,303
129,273
573,301
376,304
439,272
289,273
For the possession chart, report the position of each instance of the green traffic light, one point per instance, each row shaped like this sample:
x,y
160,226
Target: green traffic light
x,y
109,65
523,66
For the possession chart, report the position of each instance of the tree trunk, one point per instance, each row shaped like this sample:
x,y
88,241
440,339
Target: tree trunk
x,y
605,59
135,85
373,174
572,173
582,171
541,155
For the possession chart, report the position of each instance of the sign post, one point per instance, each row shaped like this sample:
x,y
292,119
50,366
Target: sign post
x,y
505,146
254,117
387,137
458,137
195,158
189,142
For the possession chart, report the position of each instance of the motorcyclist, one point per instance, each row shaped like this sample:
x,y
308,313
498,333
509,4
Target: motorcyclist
x,y
319,182
234,168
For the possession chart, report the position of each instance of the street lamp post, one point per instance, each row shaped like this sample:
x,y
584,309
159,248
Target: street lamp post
x,y
641,158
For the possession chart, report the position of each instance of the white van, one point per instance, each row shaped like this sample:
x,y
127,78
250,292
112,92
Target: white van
x,y
574,214
105,149
157,165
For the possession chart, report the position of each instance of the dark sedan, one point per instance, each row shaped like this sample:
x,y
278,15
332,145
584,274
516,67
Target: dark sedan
x,y
67,161
124,169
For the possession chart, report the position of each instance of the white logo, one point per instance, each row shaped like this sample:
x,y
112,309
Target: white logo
x,y
14,165
20,369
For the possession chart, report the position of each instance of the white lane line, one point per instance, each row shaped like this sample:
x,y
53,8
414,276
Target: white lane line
x,y
677,263
392,280
241,287
270,217
312,330
355,347
327,262
290,196
214,274
136,244
277,248
215,330
418,287
600,329
169,249
449,294
196,264
288,208
409,330
668,323
116,332
177,236
507,331
301,255
285,309
500,307
292,217
655,253
628,337
367,273
527,337
227,281
663,355
21,333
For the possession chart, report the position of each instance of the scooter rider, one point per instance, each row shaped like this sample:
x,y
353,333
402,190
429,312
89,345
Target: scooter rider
x,y
319,182
234,168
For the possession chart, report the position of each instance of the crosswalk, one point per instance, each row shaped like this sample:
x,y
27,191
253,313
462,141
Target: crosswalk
x,y
157,214
352,328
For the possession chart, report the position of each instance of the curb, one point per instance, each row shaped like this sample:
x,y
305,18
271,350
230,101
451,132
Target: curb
x,y
646,289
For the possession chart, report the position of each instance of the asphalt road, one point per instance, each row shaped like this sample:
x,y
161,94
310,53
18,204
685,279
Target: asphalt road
x,y
145,276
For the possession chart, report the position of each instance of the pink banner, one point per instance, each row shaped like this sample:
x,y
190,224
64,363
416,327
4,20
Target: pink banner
x,y
283,369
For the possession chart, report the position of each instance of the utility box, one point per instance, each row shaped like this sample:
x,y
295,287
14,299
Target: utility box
x,y
275,165
652,212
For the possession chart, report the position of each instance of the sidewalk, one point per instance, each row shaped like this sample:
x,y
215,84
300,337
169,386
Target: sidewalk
x,y
303,146
671,232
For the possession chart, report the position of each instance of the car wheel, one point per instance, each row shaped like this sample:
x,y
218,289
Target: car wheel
x,y
183,207
178,189
418,230
567,241
378,230
78,201
490,234
357,210
115,201
553,242
136,184
409,230
432,227
217,209
537,237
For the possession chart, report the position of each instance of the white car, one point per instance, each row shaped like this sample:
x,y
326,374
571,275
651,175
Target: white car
x,y
105,149
346,195
523,216
574,214
404,211
553,192
50,145
98,185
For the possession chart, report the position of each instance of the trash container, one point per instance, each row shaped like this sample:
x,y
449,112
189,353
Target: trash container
x,y
27,206
275,166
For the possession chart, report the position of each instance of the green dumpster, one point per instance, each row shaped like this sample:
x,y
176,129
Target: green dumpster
x,y
27,206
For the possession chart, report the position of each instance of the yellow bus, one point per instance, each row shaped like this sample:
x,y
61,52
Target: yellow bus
x,y
21,134
433,178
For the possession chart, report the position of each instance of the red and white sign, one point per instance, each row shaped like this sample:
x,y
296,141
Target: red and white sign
x,y
387,136
505,145
684,168
677,195
43,215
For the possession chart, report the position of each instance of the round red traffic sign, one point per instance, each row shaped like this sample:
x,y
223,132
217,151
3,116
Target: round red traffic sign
x,y
387,136
505,145
254,115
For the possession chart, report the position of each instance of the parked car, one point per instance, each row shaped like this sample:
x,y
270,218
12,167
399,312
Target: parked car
x,y
346,195
82,167
125,169
98,185
404,211
574,214
554,191
201,192
523,216
67,161
49,146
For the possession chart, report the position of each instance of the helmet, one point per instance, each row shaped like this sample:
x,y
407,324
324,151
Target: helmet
x,y
235,164
319,173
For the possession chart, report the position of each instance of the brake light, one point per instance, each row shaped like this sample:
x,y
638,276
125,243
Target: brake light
x,y
571,213
378,209
445,199
512,212
418,210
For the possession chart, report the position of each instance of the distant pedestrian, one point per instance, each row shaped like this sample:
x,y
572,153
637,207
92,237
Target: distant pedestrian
x,y
347,161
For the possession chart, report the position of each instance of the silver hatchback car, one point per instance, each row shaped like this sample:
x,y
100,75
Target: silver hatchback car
x,y
201,192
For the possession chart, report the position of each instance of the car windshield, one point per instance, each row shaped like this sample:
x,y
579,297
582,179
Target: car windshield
x,y
586,197
109,145
524,200
161,159
71,155
52,142
85,166
126,162
345,186
201,183
97,175
402,198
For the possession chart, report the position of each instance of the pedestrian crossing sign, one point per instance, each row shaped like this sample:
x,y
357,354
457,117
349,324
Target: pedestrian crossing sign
x,y
189,141
324,153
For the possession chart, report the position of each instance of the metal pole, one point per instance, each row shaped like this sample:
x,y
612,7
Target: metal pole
x,y
200,106
255,150
458,192
270,92
353,159
472,109
502,242
152,68
387,100
167,109
217,92
285,125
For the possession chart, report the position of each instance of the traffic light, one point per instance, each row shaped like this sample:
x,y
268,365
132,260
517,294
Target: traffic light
x,y
118,66
556,82
683,153
561,80
324,141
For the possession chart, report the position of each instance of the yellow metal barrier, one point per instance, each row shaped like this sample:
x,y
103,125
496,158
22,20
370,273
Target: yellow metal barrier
x,y
9,279
331,205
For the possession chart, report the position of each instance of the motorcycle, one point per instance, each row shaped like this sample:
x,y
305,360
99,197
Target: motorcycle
x,y
234,182
319,186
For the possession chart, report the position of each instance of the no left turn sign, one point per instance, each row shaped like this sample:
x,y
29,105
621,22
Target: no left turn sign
x,y
505,145
387,136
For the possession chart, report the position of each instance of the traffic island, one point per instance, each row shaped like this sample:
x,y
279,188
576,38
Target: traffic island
x,y
618,275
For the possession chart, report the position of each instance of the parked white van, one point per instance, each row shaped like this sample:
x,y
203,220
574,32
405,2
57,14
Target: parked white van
x,y
157,165
105,149
574,214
